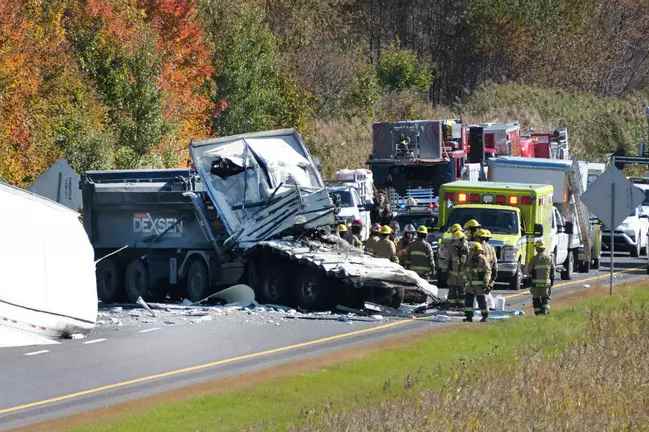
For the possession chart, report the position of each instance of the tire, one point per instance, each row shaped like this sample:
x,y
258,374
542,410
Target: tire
x,y
568,264
137,281
108,281
310,291
516,281
397,297
635,250
270,282
595,264
197,280
584,266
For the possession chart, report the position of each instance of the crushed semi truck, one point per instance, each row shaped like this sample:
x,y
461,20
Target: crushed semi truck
x,y
569,179
254,209
516,214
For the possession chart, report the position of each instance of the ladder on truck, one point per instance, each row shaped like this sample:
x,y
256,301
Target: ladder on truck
x,y
575,183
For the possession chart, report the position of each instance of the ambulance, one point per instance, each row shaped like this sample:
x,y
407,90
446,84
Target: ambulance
x,y
516,214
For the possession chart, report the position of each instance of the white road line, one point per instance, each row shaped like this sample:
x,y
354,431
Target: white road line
x,y
149,330
33,353
93,341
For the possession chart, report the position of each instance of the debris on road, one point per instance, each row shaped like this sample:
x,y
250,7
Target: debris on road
x,y
140,301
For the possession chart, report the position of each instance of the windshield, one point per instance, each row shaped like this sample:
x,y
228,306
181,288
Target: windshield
x,y
342,198
496,221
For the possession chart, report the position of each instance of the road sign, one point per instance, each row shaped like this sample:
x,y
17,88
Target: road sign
x,y
612,198
612,210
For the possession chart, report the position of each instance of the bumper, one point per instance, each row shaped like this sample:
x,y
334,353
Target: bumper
x,y
506,270
621,240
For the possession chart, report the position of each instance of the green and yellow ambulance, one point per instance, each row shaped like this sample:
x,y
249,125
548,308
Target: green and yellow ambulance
x,y
516,214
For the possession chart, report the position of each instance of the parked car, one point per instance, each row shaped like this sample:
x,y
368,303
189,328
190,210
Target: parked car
x,y
632,234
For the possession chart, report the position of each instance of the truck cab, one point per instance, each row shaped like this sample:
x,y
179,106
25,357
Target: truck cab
x,y
516,214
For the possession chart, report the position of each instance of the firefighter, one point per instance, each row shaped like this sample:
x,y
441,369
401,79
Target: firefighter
x,y
458,251
396,231
405,241
355,234
419,256
470,229
370,244
385,247
478,273
540,270
341,229
484,235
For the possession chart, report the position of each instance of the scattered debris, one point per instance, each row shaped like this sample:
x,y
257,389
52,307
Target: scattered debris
x,y
142,303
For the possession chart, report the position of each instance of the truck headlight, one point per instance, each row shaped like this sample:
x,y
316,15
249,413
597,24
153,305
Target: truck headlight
x,y
509,253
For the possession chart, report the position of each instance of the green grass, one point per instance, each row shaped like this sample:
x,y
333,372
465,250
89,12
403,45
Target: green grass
x,y
426,364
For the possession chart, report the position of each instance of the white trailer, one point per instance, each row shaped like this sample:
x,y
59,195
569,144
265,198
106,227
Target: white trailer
x,y
571,218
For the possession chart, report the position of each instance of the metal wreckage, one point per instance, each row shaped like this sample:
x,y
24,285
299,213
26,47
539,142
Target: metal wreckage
x,y
254,208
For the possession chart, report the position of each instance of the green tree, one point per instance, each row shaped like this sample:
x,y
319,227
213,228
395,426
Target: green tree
x,y
399,69
253,92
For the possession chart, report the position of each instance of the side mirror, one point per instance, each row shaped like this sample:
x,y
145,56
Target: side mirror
x,y
538,230
569,228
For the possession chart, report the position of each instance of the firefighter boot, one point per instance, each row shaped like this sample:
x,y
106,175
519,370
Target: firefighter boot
x,y
468,308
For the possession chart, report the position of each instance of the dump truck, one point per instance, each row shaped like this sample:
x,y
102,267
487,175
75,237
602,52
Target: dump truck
x,y
516,214
252,209
569,179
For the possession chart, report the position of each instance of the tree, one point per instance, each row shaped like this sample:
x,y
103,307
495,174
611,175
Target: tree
x,y
399,69
252,91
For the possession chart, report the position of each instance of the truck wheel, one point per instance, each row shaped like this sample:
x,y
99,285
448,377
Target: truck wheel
x,y
197,280
108,281
635,250
138,282
595,264
566,273
516,281
442,279
584,265
270,284
397,297
310,291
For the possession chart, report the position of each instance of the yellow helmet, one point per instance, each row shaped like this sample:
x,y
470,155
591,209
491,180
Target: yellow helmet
x,y
539,244
459,235
385,229
422,229
477,248
483,232
472,223
342,227
456,227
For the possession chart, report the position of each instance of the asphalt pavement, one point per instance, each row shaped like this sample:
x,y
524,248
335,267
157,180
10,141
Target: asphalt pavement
x,y
47,382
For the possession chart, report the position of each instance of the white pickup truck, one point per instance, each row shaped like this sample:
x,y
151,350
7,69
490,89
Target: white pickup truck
x,y
632,234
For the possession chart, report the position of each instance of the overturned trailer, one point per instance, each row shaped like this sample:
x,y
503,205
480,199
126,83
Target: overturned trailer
x,y
254,209
46,262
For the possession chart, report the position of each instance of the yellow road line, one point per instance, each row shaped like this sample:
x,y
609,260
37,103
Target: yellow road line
x,y
575,282
201,367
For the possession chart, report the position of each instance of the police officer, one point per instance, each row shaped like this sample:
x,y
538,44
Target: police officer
x,y
478,273
405,241
374,238
484,235
470,228
458,252
385,247
540,270
419,256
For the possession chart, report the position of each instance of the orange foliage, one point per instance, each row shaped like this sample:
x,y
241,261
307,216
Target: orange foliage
x,y
187,67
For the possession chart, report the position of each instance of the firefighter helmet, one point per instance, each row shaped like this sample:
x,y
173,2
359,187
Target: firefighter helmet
x,y
472,223
385,229
422,229
342,227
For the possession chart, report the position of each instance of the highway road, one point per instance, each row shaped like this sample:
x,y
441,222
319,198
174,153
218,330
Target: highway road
x,y
46,382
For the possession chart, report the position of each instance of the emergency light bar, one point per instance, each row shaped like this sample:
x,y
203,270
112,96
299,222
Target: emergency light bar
x,y
476,198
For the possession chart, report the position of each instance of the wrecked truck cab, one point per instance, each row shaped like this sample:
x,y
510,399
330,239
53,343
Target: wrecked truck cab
x,y
245,174
272,201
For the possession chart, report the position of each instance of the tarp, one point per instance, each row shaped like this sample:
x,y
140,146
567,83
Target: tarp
x,y
47,266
